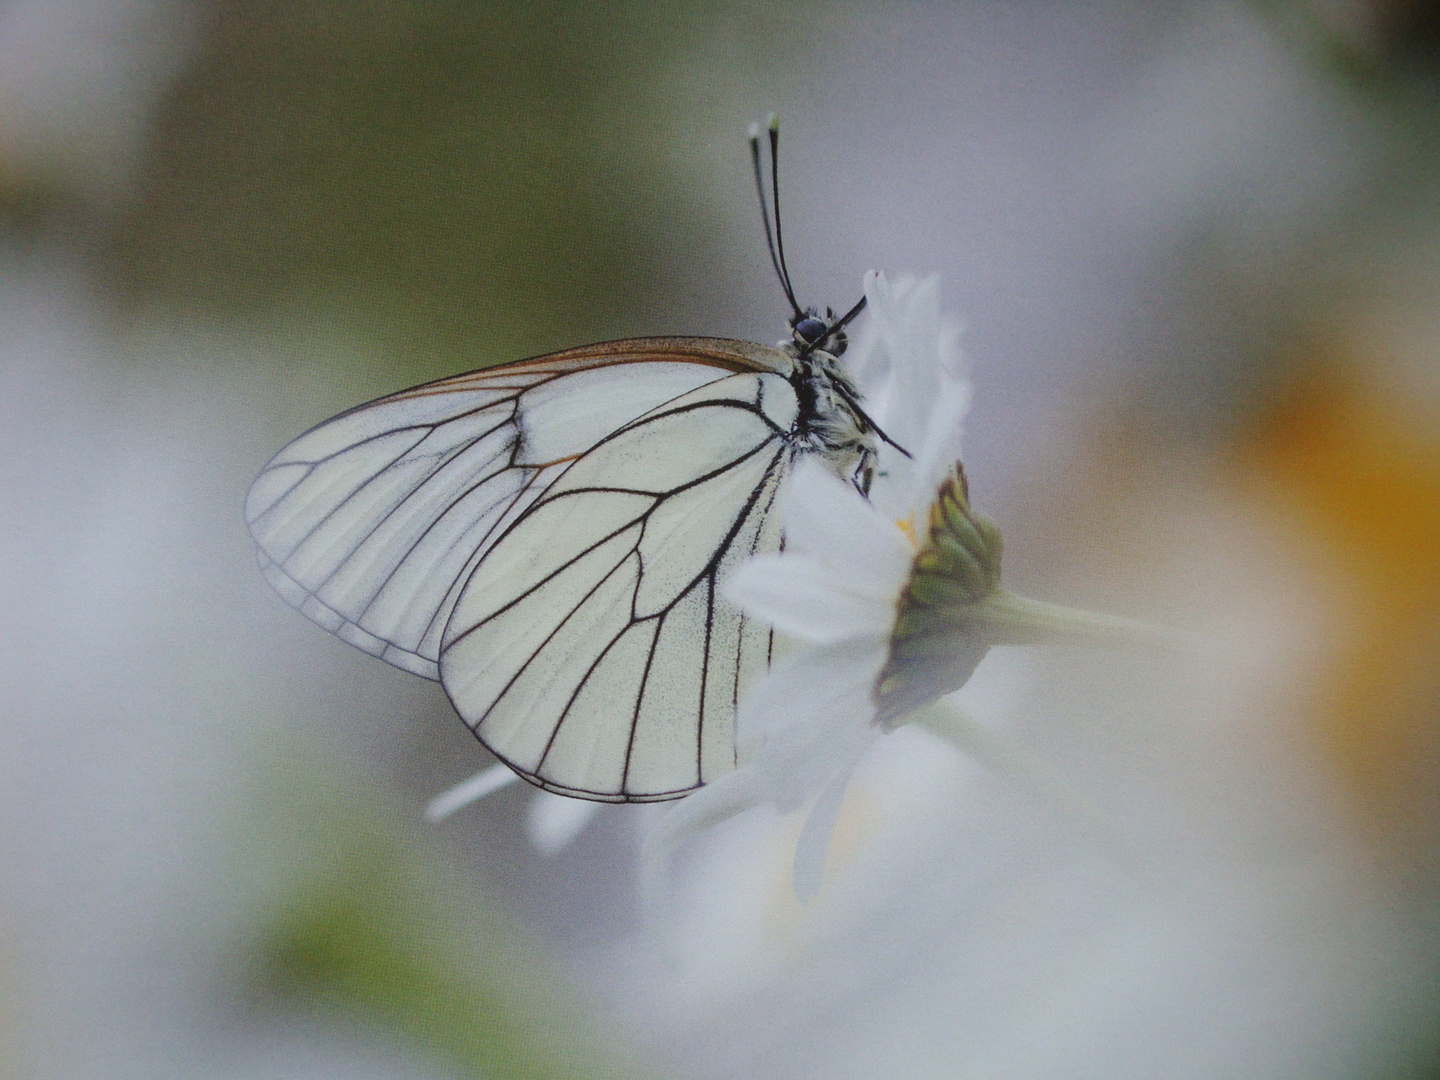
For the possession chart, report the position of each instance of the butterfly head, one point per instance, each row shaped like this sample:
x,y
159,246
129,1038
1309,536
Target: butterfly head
x,y
811,333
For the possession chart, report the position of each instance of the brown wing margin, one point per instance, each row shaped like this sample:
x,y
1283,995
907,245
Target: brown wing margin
x,y
726,354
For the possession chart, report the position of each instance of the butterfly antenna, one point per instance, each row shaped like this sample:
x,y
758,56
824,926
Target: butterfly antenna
x,y
775,198
776,260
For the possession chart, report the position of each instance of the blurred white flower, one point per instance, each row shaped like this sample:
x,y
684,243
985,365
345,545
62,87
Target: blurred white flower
x,y
469,790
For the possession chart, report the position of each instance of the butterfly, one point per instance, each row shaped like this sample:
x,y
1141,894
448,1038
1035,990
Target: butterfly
x,y
549,538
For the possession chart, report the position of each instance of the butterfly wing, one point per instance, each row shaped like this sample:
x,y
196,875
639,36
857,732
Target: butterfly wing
x,y
590,648
370,523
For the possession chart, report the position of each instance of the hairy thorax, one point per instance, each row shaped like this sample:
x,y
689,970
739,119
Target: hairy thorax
x,y
828,424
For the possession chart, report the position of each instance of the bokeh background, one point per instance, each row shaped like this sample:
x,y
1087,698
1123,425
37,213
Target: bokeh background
x,y
1197,250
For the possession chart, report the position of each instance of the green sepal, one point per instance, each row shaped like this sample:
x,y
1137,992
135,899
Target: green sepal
x,y
953,609
934,646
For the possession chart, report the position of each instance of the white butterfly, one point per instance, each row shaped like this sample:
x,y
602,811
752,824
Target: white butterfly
x,y
549,538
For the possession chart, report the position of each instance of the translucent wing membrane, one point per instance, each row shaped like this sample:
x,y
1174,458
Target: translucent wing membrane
x,y
567,518
591,649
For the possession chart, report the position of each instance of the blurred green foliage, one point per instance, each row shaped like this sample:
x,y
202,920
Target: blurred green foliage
x,y
366,920
1376,45
446,177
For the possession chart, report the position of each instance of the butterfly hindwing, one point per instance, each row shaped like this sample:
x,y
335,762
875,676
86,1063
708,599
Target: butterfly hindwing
x,y
592,648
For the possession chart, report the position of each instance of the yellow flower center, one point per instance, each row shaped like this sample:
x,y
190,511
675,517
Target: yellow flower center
x,y
907,526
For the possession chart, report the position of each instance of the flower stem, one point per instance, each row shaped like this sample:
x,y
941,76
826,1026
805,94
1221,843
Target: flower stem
x,y
1011,619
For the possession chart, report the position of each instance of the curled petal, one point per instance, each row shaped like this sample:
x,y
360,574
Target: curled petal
x,y
908,363
467,791
939,449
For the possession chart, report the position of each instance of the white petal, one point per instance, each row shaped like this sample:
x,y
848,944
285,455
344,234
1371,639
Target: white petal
x,y
909,365
716,802
467,791
939,449
802,722
553,822
827,518
808,600
817,507
866,359
669,825
814,842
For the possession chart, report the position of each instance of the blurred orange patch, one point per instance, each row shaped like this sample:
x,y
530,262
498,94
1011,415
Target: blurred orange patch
x,y
1357,478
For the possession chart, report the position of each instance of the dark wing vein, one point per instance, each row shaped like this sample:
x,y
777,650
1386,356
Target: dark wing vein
x,y
428,429
640,697
544,501
325,552
691,406
740,636
482,545
441,463
439,517
579,688
707,574
534,653
310,467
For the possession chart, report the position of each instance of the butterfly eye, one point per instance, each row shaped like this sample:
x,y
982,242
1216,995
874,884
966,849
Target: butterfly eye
x,y
810,329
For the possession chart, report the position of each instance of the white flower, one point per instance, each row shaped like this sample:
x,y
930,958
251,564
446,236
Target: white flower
x,y
881,618
835,588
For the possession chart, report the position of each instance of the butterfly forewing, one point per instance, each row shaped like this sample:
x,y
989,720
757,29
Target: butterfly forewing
x,y
574,512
